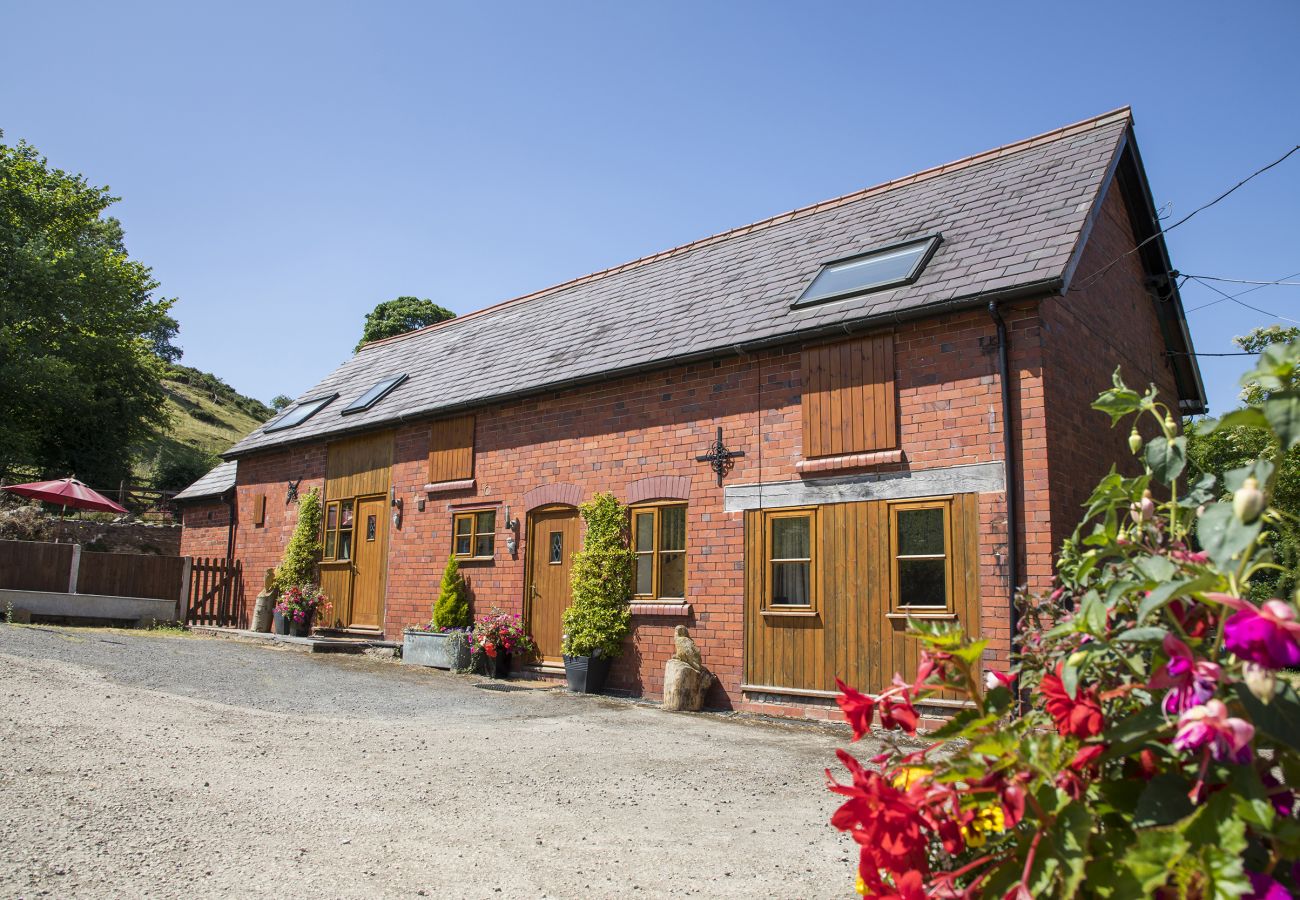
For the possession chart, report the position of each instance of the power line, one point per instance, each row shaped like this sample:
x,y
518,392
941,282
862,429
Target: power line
x,y
1162,231
1233,298
1245,281
1191,353
1223,296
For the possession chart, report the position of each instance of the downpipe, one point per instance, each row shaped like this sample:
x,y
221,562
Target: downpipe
x,y
1011,492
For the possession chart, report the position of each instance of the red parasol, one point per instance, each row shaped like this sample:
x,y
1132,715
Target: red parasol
x,y
65,492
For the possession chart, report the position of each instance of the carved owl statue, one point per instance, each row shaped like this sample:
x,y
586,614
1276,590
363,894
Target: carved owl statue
x,y
687,652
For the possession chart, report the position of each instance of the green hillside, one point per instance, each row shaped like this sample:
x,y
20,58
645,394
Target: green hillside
x,y
206,416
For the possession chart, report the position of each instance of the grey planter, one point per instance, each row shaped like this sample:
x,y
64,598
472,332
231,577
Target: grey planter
x,y
447,650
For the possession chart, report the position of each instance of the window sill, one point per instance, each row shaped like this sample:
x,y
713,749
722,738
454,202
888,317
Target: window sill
x,y
794,613
847,461
472,560
443,487
660,609
905,615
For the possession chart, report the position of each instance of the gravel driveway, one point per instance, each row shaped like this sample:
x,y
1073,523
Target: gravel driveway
x,y
165,766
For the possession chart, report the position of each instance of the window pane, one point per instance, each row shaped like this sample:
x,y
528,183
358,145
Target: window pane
x,y
464,525
645,583
483,545
329,544
672,575
300,413
921,582
672,528
920,532
485,522
332,516
557,548
790,584
866,272
645,531
370,528
345,545
790,538
347,515
372,396
463,543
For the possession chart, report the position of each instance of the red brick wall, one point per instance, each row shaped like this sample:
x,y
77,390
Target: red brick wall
x,y
1087,333
205,529
260,547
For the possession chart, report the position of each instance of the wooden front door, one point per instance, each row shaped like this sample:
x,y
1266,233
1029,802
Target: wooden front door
x,y
370,541
552,541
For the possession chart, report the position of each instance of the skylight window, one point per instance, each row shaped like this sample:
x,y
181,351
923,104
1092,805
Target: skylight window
x,y
374,395
874,270
300,413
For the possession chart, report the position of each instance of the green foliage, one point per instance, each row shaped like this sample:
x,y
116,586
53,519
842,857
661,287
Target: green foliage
x,y
602,582
219,394
399,316
280,401
451,609
1160,750
81,332
178,466
304,549
1236,440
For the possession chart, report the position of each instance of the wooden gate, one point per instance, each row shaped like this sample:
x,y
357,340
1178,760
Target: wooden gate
x,y
216,593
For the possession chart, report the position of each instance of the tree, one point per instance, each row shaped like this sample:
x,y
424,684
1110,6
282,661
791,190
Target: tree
x,y
280,401
401,315
304,549
81,332
451,610
1233,446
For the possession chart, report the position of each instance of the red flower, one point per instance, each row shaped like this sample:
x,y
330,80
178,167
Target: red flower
x,y
857,708
898,712
886,824
1087,757
1078,716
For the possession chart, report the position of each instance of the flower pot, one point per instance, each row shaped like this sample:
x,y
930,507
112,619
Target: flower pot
x,y
439,650
281,623
497,666
586,674
300,629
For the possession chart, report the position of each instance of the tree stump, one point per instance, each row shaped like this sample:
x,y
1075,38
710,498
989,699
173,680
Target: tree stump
x,y
685,687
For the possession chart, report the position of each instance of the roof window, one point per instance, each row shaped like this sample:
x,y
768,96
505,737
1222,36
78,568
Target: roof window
x,y
374,395
300,413
875,270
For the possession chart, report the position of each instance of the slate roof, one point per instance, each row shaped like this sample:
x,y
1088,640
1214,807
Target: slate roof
x,y
1012,220
215,483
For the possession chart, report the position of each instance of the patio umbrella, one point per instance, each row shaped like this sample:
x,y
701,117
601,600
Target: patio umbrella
x,y
65,492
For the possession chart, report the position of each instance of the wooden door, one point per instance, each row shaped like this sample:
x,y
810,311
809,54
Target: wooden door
x,y
553,539
370,545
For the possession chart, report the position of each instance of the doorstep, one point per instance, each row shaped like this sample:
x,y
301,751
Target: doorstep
x,y
314,644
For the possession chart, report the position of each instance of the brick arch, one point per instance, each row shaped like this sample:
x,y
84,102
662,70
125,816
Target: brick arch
x,y
659,487
555,492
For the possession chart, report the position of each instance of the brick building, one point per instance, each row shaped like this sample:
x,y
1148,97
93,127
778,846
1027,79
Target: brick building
x,y
889,363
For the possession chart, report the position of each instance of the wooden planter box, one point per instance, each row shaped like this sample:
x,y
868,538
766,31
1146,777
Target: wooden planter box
x,y
438,650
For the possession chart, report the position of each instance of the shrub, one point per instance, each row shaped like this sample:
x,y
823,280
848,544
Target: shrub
x,y
451,609
498,633
304,549
601,579
1159,754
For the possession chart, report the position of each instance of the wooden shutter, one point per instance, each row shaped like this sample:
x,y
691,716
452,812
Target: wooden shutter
x,y
451,450
259,509
849,405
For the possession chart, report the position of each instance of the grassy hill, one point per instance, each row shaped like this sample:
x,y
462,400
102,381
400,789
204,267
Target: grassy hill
x,y
206,417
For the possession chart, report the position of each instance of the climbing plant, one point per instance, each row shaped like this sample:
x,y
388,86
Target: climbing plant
x,y
601,580
298,567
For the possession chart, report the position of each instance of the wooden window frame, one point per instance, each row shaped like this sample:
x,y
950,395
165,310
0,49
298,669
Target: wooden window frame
x,y
812,514
474,534
654,507
896,606
330,553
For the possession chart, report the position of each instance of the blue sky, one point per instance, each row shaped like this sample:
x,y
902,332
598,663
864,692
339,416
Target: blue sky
x,y
284,167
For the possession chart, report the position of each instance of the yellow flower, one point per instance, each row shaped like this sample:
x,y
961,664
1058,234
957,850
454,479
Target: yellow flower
x,y
860,886
909,776
988,819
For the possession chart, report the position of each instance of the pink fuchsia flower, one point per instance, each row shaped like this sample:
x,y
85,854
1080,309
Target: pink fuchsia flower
x,y
1209,727
994,679
1190,681
858,708
1262,887
1268,635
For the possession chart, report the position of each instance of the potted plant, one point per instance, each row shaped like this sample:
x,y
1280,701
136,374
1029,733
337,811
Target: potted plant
x,y
602,584
443,642
302,553
495,638
299,605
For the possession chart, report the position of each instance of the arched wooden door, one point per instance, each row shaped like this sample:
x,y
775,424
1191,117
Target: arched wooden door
x,y
552,540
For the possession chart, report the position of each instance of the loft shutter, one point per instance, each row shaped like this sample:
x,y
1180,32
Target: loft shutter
x,y
451,449
849,403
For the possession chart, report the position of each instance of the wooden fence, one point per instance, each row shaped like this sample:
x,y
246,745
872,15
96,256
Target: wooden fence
x,y
207,591
216,593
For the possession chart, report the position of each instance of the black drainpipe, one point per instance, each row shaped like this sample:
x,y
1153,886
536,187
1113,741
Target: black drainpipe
x,y
230,527
1009,467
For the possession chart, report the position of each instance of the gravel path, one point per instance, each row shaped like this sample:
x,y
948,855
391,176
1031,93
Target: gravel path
x,y
139,765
